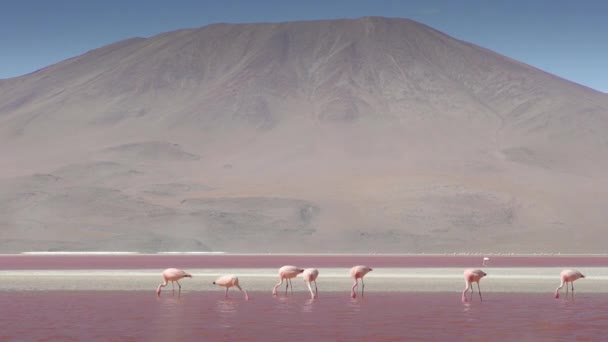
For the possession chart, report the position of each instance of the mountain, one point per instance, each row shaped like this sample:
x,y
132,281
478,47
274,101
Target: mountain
x,y
352,135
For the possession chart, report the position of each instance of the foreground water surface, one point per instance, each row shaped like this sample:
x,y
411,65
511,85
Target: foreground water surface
x,y
197,316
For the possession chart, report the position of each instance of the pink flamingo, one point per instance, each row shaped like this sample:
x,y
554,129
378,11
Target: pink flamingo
x,y
172,275
568,276
472,276
310,275
229,281
358,272
287,273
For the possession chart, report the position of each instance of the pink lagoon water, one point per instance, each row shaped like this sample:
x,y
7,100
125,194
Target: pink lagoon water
x,y
334,316
207,316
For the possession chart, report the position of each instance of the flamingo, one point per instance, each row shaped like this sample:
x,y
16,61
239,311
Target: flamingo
x,y
172,275
287,273
568,276
229,281
310,275
358,272
472,276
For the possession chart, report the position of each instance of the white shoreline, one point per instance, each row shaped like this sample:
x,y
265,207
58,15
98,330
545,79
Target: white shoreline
x,y
514,279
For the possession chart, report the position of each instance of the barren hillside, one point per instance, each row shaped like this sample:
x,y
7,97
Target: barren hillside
x,y
360,135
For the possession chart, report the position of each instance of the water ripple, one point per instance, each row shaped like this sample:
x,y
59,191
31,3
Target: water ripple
x,y
102,316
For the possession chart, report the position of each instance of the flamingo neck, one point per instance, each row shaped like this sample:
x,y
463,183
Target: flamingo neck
x,y
161,285
310,289
559,288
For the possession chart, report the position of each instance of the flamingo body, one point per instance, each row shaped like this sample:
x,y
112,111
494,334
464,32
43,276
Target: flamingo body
x,y
229,281
310,275
472,276
568,276
172,275
358,272
287,273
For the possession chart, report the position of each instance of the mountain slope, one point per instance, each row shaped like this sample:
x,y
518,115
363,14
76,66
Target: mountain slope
x,y
340,135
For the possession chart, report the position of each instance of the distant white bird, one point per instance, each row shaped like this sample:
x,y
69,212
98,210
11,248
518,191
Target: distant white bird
x,y
485,261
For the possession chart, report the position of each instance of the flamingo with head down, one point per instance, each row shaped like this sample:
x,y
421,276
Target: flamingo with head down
x,y
172,275
287,273
568,276
310,275
472,276
358,272
229,281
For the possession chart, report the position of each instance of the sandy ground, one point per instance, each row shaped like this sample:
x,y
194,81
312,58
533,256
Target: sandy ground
x,y
330,279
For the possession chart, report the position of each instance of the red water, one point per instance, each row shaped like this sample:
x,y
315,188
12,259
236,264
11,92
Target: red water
x,y
64,262
206,316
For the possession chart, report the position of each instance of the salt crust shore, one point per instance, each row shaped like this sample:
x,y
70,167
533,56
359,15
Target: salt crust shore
x,y
306,254
517,279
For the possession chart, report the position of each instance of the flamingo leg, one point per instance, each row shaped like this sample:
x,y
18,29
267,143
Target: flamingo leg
x,y
173,287
353,293
291,285
567,288
286,285
472,291
180,288
226,293
572,288
316,290
479,290
362,287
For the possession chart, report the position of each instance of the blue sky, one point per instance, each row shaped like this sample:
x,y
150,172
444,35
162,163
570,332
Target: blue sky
x,y
566,38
